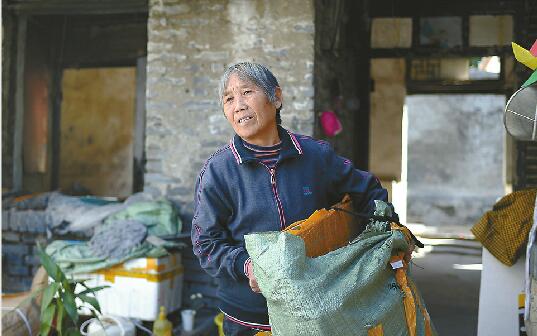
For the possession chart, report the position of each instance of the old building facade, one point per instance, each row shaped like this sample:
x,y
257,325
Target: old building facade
x,y
321,51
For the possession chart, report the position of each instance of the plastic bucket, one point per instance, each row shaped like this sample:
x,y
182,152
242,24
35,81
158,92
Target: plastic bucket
x,y
187,318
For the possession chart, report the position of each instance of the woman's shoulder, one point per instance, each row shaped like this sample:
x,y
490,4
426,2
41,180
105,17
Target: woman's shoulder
x,y
310,143
221,154
220,158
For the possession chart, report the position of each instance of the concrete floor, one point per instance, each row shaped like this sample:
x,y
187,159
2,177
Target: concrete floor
x,y
448,273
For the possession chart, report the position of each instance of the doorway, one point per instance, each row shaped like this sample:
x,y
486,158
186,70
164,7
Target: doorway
x,y
82,116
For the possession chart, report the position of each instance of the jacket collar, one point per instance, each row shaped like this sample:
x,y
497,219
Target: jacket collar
x,y
290,147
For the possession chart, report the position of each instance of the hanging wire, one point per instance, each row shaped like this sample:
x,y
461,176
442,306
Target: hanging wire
x,y
391,219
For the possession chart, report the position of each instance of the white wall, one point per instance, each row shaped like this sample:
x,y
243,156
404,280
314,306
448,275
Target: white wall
x,y
455,157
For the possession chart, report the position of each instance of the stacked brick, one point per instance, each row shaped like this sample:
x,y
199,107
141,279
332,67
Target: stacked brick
x,y
21,229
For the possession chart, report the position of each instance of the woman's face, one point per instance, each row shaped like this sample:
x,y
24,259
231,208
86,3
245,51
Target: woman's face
x,y
250,113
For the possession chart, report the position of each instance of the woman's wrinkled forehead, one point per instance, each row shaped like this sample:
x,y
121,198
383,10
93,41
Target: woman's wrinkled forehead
x,y
253,73
243,78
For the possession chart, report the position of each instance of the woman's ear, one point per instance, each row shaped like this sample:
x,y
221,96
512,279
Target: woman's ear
x,y
279,99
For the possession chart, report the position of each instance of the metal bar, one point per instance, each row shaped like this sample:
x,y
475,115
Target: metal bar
x,y
534,125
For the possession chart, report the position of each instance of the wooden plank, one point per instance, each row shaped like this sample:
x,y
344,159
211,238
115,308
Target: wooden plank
x,y
443,8
19,103
454,87
139,125
55,127
70,7
8,73
419,51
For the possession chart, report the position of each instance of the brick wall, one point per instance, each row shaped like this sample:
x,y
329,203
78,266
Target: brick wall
x,y
190,43
20,232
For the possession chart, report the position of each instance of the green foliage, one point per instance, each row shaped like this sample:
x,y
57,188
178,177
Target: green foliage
x,y
59,310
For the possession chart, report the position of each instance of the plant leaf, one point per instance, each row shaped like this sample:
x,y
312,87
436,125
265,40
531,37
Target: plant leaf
x,y
67,286
48,295
73,282
72,332
92,290
46,320
91,300
44,329
60,275
70,305
47,262
59,317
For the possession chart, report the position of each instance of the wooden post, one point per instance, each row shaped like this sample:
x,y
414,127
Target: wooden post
x,y
19,103
139,125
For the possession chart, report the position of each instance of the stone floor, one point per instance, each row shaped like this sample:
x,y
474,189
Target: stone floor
x,y
448,272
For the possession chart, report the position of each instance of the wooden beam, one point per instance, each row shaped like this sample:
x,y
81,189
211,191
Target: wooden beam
x,y
103,42
139,125
429,52
456,87
19,103
363,83
56,103
423,8
72,7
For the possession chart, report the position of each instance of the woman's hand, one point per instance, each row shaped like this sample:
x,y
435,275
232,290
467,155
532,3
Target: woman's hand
x,y
251,278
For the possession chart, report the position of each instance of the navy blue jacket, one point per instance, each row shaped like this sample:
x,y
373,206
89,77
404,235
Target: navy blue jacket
x,y
237,195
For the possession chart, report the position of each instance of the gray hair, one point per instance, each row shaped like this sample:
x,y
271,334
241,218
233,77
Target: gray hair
x,y
257,74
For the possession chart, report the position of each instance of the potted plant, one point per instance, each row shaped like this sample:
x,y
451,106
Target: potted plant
x,y
59,308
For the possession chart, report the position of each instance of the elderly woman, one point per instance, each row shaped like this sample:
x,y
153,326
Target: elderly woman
x,y
265,179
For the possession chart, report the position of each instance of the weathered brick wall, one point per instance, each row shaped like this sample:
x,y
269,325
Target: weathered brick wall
x,y
190,43
19,252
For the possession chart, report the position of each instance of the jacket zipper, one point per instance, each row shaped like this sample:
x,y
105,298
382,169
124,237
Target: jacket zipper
x,y
272,172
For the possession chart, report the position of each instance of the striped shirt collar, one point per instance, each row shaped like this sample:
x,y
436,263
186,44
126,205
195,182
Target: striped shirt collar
x,y
262,149
290,147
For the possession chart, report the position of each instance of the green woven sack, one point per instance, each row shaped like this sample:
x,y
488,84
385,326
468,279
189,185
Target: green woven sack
x,y
348,291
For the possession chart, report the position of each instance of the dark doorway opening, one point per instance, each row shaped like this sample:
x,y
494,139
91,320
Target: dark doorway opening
x,y
82,112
